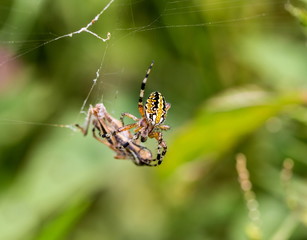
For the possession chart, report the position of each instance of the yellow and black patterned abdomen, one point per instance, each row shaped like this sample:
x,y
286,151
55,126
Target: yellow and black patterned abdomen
x,y
155,108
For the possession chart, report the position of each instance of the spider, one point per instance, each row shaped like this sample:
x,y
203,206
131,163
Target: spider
x,y
122,143
153,114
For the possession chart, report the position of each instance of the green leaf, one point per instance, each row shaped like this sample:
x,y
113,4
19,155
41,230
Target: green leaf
x,y
219,127
299,13
60,226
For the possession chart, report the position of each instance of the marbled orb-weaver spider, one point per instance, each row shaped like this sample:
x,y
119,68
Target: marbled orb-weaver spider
x,y
153,114
122,143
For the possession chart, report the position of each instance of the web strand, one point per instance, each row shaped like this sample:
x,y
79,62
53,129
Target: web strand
x,y
181,7
81,30
10,121
94,81
213,23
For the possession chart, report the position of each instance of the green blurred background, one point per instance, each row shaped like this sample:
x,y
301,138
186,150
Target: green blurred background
x,y
235,73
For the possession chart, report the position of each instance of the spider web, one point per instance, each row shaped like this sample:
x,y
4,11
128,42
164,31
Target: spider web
x,y
106,45
176,15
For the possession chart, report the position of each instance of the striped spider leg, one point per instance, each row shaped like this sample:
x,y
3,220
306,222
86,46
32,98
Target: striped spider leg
x,y
123,143
153,114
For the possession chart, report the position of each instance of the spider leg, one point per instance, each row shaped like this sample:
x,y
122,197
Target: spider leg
x,y
126,128
164,127
140,103
162,148
129,115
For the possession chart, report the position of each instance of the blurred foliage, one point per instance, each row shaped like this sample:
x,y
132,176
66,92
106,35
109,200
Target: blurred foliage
x,y
235,74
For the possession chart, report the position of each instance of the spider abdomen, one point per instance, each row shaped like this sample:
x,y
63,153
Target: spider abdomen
x,y
155,108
